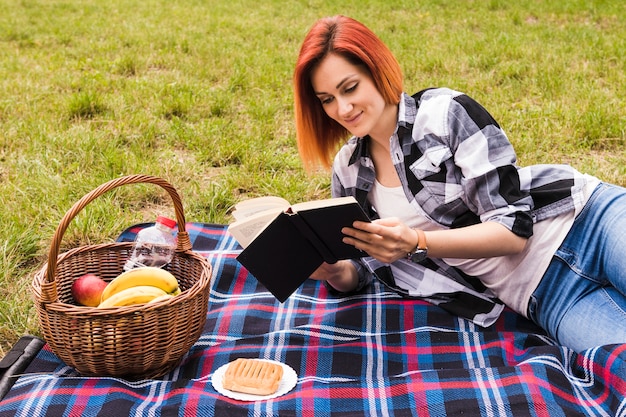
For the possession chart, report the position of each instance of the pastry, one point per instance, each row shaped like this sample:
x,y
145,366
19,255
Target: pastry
x,y
253,376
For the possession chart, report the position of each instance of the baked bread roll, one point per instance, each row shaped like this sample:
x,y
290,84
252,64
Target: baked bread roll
x,y
253,376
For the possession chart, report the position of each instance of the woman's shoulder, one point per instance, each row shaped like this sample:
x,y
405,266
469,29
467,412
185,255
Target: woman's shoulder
x,y
444,96
436,92
434,101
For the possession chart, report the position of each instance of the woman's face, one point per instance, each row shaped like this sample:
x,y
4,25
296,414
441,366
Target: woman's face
x,y
349,96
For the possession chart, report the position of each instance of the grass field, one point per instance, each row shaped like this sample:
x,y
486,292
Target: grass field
x,y
199,92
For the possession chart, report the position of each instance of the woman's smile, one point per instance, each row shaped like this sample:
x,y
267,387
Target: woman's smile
x,y
354,119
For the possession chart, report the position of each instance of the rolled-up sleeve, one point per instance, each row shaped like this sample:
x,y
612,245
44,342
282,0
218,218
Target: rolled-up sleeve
x,y
487,162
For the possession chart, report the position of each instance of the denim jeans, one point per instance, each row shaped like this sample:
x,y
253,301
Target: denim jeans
x,y
581,299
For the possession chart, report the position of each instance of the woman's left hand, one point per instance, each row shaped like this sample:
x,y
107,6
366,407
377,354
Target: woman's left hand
x,y
386,240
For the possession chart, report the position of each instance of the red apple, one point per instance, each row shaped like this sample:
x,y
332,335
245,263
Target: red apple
x,y
87,290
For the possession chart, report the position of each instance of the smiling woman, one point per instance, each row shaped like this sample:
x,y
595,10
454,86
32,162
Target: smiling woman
x,y
456,221
350,97
369,58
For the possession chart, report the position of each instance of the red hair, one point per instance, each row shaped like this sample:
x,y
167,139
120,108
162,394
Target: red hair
x,y
317,134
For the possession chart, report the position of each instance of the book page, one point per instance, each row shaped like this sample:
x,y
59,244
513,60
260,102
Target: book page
x,y
329,202
253,206
248,228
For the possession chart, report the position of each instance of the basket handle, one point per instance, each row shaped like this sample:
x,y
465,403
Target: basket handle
x,y
184,244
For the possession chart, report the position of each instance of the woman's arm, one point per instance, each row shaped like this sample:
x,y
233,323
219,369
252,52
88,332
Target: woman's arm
x,y
388,240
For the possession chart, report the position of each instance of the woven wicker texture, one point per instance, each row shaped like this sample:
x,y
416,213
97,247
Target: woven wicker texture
x,y
135,342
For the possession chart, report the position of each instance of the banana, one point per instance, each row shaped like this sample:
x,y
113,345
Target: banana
x,y
160,298
133,295
148,275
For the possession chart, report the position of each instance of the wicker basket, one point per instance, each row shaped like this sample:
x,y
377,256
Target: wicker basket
x,y
134,342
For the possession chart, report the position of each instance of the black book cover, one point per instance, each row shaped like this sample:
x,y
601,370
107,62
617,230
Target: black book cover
x,y
281,258
294,245
327,222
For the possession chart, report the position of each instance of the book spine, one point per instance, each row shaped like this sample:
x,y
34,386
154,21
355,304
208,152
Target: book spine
x,y
310,235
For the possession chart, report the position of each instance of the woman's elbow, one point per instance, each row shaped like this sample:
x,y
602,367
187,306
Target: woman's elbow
x,y
516,244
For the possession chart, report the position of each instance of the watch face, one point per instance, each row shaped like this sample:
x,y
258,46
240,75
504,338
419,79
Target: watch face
x,y
418,256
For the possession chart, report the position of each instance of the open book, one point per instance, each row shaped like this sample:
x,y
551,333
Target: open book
x,y
283,244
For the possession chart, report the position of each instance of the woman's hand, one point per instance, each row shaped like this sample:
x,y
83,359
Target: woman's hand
x,y
341,275
386,240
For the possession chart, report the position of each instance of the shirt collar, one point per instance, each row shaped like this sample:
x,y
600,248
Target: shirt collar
x,y
407,110
360,150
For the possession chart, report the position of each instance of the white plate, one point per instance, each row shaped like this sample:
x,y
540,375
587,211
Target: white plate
x,y
286,384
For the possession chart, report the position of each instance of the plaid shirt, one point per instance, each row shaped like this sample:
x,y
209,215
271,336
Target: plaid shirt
x,y
458,166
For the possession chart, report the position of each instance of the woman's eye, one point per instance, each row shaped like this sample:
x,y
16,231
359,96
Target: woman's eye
x,y
351,88
326,100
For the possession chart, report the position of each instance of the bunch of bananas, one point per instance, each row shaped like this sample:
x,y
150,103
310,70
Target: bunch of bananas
x,y
138,286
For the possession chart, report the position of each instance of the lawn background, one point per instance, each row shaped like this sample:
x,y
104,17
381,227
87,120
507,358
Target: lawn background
x,y
199,92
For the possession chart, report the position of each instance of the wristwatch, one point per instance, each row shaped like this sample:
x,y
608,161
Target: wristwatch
x,y
421,250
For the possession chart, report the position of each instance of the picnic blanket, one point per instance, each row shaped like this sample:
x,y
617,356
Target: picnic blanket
x,y
368,354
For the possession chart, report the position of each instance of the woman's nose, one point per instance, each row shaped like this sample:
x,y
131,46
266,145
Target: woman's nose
x,y
344,107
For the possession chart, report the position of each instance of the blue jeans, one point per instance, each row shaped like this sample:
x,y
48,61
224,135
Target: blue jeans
x,y
581,299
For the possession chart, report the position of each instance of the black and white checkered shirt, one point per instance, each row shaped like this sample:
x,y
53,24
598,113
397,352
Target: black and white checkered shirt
x,y
458,166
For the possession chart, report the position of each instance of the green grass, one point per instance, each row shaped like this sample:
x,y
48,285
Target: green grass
x,y
199,93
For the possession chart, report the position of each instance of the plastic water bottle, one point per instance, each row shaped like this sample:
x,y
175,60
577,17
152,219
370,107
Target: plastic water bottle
x,y
154,245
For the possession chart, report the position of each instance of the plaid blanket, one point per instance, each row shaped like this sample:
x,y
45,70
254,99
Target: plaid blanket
x,y
370,354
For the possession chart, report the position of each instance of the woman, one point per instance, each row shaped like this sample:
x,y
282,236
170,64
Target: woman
x,y
457,222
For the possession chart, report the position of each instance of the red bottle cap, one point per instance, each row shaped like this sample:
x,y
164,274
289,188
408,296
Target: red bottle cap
x,y
166,221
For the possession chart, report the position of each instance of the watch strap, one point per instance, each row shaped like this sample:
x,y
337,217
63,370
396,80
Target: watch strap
x,y
421,239
421,251
421,243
